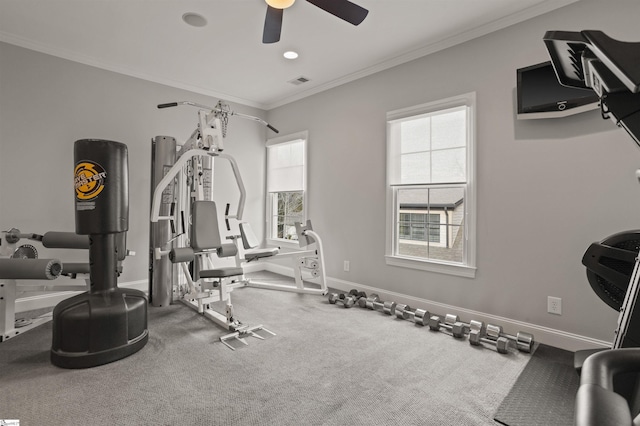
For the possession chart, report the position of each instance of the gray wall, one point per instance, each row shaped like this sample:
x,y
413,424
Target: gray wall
x,y
47,103
546,188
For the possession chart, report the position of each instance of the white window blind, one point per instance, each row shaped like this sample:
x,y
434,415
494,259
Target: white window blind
x,y
286,171
432,148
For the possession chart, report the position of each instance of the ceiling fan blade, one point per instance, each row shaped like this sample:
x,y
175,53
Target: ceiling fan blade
x,y
343,9
272,25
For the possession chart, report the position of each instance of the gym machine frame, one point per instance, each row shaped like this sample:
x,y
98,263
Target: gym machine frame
x,y
591,60
200,296
310,258
22,263
197,156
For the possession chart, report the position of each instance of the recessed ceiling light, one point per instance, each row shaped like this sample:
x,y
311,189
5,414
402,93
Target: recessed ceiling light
x,y
194,19
290,54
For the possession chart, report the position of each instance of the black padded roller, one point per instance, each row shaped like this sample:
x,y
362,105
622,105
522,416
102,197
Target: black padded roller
x,y
30,269
181,254
66,240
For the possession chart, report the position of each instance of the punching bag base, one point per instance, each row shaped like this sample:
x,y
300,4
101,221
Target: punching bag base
x,y
93,329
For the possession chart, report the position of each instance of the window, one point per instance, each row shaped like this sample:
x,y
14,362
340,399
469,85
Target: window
x,y
286,186
431,188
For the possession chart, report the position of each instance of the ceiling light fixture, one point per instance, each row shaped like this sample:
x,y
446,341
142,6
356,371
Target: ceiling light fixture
x,y
194,19
280,4
290,54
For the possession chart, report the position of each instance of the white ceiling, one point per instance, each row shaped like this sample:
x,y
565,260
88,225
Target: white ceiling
x,y
226,59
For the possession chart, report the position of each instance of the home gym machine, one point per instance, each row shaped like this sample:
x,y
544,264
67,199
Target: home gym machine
x,y
609,383
592,60
182,193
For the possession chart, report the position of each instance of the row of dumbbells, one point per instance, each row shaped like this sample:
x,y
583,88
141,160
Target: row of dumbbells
x,y
478,332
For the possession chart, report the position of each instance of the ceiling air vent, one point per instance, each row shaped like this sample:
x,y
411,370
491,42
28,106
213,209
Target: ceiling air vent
x,y
299,80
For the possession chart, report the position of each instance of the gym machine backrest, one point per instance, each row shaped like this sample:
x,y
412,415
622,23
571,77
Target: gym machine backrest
x,y
205,238
106,323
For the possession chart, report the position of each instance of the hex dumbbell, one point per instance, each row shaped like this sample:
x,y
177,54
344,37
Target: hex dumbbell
x,y
419,316
362,302
501,344
523,341
374,303
466,328
451,325
357,295
347,301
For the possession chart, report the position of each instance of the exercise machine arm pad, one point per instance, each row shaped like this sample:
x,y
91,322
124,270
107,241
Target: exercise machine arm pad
x,y
67,240
227,250
183,254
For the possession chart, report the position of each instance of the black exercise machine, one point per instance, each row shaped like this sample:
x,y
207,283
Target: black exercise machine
x,y
609,386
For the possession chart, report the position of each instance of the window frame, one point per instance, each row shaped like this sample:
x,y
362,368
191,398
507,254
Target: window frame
x,y
282,242
468,267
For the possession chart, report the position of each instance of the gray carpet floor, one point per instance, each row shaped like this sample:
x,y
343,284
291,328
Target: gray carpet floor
x,y
326,366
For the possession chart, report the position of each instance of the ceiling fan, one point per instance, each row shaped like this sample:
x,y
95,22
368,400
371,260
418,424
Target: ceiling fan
x,y
343,9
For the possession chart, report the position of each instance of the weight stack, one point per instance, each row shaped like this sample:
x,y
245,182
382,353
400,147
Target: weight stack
x,y
163,156
106,323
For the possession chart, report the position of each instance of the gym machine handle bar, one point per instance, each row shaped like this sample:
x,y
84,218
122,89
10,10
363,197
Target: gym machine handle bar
x,y
220,110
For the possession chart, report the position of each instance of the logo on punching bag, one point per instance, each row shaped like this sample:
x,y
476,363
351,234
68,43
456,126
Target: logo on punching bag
x,y
89,180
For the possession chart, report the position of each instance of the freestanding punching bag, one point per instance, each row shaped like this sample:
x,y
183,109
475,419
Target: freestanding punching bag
x,y
106,323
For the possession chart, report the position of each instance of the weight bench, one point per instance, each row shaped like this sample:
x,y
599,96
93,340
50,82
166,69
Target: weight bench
x,y
311,259
18,272
208,284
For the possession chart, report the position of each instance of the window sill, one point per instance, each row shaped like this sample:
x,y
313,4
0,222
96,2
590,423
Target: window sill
x,y
431,266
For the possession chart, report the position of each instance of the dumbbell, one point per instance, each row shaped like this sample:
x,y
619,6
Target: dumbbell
x,y
346,300
373,302
357,295
477,338
419,316
523,341
466,328
451,325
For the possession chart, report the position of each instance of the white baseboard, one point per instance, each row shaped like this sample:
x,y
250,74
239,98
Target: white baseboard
x,y
49,300
548,336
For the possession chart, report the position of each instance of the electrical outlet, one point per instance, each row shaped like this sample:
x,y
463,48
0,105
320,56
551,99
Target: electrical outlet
x,y
347,265
554,305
